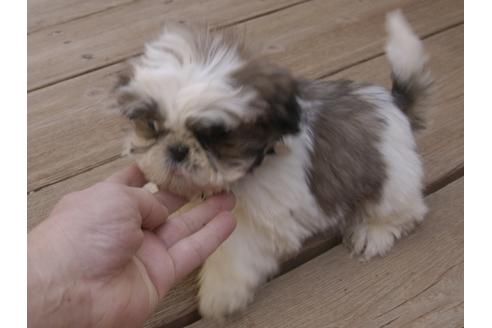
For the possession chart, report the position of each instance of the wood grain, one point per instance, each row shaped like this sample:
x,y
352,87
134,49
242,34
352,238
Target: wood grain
x,y
418,284
106,38
72,48
40,203
440,157
44,13
67,122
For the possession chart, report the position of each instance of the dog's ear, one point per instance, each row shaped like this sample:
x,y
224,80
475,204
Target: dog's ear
x,y
121,88
123,78
276,90
125,97
144,114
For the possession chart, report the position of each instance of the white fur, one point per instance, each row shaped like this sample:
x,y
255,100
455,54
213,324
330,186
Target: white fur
x,y
408,61
401,205
184,83
276,212
404,50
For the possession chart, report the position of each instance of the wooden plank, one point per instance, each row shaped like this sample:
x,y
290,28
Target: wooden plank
x,y
72,128
44,13
447,63
79,104
119,33
69,49
93,39
419,283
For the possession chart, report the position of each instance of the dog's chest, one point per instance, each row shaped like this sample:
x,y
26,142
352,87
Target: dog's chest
x,y
276,198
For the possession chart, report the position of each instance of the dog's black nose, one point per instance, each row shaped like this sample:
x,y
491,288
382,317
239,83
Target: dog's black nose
x,y
178,152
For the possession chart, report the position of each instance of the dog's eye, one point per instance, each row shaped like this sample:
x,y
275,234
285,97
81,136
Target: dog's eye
x,y
218,132
212,134
152,125
147,128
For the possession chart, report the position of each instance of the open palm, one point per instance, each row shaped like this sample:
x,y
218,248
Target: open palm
x,y
121,251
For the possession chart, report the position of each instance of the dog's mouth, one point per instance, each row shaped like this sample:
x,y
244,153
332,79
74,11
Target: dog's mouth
x,y
178,184
178,181
176,172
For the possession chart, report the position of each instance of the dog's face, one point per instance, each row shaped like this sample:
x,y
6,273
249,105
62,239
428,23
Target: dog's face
x,y
203,113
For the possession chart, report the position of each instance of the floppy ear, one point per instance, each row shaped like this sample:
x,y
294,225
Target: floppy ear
x,y
277,91
126,99
123,94
123,78
143,113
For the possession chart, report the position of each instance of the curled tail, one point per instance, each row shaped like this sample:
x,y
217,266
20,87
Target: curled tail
x,y
411,77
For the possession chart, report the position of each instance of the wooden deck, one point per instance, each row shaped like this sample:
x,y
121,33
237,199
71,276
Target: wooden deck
x,y
75,49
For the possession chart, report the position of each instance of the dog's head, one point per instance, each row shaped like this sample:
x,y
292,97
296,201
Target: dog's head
x,y
204,111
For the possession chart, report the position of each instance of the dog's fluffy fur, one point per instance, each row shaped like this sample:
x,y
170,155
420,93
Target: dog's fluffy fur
x,y
300,156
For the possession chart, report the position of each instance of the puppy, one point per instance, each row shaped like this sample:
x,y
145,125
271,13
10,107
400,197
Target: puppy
x,y
300,156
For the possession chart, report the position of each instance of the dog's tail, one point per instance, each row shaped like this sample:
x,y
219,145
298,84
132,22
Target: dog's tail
x,y
411,77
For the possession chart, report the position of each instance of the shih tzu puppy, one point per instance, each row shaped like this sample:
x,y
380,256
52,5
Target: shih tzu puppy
x,y
300,156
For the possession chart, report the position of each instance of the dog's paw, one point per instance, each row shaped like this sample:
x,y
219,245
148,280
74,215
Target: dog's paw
x,y
368,240
219,301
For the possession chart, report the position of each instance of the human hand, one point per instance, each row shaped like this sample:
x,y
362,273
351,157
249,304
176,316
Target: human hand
x,y
106,254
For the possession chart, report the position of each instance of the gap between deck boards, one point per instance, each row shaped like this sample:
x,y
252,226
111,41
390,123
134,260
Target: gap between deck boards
x,y
85,170
322,76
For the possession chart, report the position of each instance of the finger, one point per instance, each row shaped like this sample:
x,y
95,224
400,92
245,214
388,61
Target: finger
x,y
171,201
130,176
191,252
190,222
157,262
152,212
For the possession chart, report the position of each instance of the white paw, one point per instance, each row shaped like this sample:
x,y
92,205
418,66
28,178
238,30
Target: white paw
x,y
220,299
369,240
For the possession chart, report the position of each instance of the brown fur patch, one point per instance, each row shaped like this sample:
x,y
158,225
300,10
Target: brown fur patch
x,y
413,97
236,147
145,115
124,77
277,90
347,169
276,114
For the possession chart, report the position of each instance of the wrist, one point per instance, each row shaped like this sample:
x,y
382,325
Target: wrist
x,y
56,298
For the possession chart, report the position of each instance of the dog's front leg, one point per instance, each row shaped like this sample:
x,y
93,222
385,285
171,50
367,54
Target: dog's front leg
x,y
230,276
